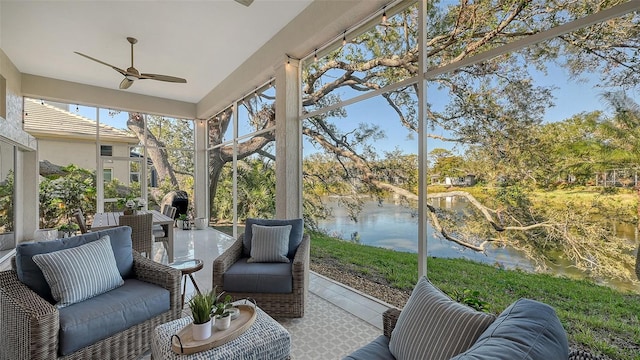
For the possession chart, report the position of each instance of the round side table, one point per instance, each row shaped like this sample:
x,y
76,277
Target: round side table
x,y
187,267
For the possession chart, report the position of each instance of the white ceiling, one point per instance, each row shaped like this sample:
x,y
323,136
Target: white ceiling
x,y
202,41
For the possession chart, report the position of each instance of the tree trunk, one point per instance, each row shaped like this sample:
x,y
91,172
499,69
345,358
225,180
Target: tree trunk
x,y
218,157
215,169
155,151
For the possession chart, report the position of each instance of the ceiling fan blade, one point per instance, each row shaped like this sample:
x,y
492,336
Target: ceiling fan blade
x,y
126,83
167,78
103,63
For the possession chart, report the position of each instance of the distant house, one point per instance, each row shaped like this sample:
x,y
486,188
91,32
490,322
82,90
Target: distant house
x,y
467,180
66,138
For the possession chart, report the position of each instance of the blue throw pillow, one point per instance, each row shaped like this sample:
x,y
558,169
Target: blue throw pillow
x,y
31,275
526,330
295,237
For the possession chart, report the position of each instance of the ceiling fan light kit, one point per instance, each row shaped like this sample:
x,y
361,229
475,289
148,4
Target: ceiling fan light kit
x,y
245,2
132,74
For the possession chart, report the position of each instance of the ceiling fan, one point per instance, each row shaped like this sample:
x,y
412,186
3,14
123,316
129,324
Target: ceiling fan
x,y
131,74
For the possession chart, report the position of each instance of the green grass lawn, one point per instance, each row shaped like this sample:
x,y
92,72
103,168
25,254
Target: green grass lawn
x,y
601,319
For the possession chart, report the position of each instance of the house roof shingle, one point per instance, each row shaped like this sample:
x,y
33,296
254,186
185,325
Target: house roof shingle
x,y
45,120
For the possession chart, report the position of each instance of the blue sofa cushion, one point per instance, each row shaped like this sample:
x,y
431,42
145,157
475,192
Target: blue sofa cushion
x,y
270,278
378,349
295,236
527,329
92,320
30,274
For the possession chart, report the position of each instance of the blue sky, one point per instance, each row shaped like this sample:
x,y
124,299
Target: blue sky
x,y
118,121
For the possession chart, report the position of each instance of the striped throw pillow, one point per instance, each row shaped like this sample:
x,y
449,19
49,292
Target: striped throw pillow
x,y
81,272
269,243
432,326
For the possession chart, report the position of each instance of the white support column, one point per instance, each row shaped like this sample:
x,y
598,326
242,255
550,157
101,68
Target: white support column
x,y
27,201
422,146
288,141
201,172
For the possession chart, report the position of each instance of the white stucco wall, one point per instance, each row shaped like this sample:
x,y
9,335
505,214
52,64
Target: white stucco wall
x,y
83,154
26,167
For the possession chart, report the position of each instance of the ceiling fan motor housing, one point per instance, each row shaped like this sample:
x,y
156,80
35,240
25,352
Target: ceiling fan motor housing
x,y
134,73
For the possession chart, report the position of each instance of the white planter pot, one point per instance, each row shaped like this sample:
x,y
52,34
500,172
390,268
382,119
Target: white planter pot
x,y
223,323
44,234
201,331
201,223
179,224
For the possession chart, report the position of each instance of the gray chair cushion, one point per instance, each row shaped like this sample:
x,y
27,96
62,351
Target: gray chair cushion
x,y
527,329
80,273
89,321
269,278
378,349
30,274
295,236
432,326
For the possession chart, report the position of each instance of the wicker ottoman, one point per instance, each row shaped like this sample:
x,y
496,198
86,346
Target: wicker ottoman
x,y
265,339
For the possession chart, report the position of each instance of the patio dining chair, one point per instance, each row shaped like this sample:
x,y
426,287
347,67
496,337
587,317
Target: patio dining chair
x,y
160,231
166,208
141,231
82,223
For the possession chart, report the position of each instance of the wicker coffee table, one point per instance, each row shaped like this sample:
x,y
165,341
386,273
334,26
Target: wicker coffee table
x,y
265,339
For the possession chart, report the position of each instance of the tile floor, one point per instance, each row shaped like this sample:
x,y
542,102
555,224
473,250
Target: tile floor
x,y
208,244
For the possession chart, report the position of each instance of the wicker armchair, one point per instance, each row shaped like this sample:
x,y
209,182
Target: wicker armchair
x,y
276,305
390,317
29,324
141,231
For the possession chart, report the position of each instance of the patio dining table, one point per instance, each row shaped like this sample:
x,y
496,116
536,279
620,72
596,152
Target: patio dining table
x,y
112,219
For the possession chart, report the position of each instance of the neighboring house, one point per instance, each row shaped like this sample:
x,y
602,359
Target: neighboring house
x,y
66,138
467,180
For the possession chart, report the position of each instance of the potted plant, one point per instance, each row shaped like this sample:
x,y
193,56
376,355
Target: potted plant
x,y
201,305
67,230
131,204
180,222
221,312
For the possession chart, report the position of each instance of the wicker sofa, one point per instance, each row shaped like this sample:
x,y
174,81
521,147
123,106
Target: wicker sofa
x,y
444,329
278,294
390,318
31,326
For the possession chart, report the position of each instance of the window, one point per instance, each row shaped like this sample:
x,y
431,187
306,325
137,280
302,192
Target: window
x,y
106,150
134,172
7,189
107,174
